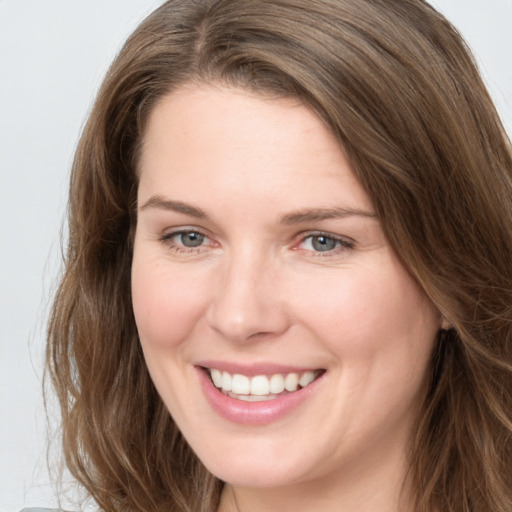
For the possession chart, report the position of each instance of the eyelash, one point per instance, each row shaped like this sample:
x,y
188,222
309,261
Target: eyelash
x,y
167,240
341,244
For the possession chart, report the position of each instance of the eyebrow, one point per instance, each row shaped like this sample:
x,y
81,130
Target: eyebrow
x,y
175,206
318,214
292,218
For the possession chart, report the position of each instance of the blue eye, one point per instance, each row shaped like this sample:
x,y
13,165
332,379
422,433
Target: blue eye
x,y
190,238
323,243
184,240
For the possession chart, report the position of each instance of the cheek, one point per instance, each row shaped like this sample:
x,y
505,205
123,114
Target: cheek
x,y
167,307
370,313
381,328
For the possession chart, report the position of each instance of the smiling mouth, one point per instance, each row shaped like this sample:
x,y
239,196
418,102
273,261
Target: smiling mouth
x,y
261,387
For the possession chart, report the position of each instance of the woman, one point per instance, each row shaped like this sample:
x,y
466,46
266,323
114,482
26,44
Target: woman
x,y
288,280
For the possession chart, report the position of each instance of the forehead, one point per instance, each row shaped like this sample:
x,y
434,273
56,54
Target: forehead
x,y
210,113
232,140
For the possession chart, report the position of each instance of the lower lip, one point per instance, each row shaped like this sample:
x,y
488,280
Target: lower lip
x,y
253,413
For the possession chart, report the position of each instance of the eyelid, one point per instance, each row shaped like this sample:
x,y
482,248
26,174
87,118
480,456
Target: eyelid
x,y
343,243
166,239
346,243
180,231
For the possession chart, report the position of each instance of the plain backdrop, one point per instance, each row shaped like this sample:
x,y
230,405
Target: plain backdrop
x,y
53,54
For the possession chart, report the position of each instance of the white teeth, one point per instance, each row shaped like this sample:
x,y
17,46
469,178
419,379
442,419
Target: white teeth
x,y
306,378
253,398
260,387
291,382
216,377
241,385
226,381
277,383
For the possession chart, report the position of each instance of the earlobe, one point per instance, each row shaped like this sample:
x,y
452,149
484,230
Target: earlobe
x,y
445,324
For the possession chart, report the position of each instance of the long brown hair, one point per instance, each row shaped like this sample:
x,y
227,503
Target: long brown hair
x,y
397,86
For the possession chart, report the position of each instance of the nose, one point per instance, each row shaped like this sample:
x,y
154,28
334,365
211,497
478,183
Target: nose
x,y
248,302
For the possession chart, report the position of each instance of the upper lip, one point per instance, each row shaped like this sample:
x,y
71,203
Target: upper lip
x,y
253,369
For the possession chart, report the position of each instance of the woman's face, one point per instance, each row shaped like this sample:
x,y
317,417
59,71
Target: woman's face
x,y
259,262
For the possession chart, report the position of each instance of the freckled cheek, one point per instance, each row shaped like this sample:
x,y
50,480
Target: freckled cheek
x,y
167,306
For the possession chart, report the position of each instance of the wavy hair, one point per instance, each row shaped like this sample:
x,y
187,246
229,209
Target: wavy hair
x,y
398,87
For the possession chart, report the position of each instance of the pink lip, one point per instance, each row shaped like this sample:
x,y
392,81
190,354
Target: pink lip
x,y
251,370
253,413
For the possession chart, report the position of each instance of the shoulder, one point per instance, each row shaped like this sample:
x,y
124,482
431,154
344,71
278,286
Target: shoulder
x,y
41,510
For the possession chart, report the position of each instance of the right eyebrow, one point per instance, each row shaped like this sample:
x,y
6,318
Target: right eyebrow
x,y
319,214
175,206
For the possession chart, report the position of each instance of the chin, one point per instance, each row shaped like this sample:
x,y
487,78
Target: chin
x,y
260,464
248,474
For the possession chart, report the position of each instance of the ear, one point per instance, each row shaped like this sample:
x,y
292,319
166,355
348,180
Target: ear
x,y
445,324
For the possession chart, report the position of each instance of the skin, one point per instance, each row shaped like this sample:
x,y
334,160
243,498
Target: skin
x,y
257,289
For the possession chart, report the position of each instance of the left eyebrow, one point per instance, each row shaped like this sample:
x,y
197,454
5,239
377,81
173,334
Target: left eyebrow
x,y
318,214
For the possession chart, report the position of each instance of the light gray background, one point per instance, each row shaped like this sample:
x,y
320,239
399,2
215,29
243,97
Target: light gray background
x,y
53,54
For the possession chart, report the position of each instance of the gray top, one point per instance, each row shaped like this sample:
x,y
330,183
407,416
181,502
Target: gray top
x,y
41,510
